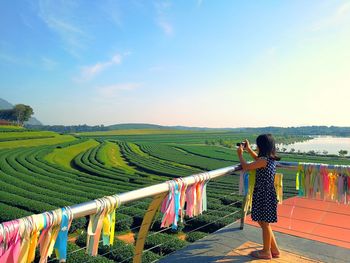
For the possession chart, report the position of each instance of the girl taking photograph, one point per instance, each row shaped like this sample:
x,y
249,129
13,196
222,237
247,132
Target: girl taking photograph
x,y
264,204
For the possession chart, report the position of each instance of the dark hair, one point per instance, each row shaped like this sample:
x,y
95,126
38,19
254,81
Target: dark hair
x,y
267,147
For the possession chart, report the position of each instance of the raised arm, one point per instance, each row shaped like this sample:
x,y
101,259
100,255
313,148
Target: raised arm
x,y
253,154
258,163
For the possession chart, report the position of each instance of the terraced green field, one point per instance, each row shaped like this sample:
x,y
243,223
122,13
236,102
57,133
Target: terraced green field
x,y
42,171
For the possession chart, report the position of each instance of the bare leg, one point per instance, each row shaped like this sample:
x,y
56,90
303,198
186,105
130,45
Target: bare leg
x,y
266,233
274,247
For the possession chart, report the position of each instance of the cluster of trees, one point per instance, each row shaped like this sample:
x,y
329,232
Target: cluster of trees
x,y
221,142
19,114
69,129
305,130
342,153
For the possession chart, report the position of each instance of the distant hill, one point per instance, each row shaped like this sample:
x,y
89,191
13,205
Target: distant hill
x,y
5,105
133,126
142,126
304,130
123,126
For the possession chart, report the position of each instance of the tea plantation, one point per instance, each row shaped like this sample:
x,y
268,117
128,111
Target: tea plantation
x,y
41,170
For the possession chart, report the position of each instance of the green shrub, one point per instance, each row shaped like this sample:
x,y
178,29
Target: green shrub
x,y
167,243
149,257
8,212
136,213
81,240
80,223
80,256
157,221
230,199
208,223
119,252
194,236
123,222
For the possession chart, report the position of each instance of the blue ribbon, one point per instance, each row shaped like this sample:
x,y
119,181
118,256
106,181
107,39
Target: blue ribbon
x,y
62,238
246,183
177,206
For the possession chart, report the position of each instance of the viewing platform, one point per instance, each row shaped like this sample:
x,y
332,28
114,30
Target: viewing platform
x,y
315,231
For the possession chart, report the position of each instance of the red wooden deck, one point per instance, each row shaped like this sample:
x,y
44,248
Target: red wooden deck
x,y
323,221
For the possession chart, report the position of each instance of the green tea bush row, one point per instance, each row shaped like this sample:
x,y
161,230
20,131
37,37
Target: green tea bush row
x,y
169,153
194,236
163,244
152,165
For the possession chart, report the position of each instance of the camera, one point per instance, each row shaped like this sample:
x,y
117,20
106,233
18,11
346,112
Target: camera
x,y
244,144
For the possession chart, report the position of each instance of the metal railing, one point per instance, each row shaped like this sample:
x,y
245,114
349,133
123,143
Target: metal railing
x,y
90,207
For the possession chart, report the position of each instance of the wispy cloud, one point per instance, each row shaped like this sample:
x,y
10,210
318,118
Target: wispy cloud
x,y
59,17
112,10
337,17
114,90
48,64
8,58
89,72
162,18
199,3
166,26
156,69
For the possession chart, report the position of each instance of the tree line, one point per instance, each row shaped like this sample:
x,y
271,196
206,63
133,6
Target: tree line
x,y
18,114
304,130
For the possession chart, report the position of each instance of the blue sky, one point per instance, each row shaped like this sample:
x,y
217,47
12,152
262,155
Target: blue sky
x,y
195,63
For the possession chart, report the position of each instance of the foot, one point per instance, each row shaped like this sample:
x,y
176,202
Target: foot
x,y
261,254
275,254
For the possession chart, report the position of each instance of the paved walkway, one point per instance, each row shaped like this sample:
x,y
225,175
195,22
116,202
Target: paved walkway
x,y
231,244
241,254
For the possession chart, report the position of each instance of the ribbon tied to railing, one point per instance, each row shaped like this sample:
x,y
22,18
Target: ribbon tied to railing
x,y
247,184
19,238
183,199
324,182
103,221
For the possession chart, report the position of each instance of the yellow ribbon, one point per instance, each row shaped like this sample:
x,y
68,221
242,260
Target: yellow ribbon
x,y
278,182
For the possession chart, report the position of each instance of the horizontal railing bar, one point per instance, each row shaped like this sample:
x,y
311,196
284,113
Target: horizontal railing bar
x,y
90,207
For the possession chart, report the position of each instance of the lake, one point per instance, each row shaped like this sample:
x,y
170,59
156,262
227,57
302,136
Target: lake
x,y
321,143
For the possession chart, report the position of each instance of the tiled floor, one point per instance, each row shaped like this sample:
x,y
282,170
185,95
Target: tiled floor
x,y
241,254
230,244
318,220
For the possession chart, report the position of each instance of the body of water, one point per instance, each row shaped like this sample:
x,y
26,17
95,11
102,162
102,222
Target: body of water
x,y
320,144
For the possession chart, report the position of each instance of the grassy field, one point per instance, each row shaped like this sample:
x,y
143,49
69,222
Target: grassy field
x,y
134,132
32,142
7,128
41,171
64,156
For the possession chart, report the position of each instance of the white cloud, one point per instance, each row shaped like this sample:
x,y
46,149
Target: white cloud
x,y
156,69
111,9
199,3
162,18
48,63
338,16
166,26
59,16
111,91
8,58
89,72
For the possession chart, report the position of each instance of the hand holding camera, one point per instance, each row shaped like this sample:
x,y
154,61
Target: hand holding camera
x,y
243,144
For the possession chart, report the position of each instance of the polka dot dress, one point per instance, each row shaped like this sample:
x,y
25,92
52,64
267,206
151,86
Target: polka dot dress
x,y
264,205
